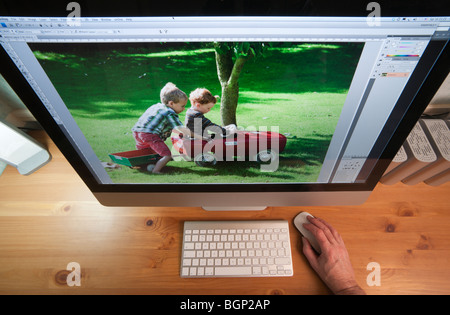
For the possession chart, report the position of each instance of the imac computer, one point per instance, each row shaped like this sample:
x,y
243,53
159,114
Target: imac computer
x,y
316,106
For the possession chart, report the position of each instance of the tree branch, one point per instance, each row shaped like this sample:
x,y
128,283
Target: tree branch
x,y
236,71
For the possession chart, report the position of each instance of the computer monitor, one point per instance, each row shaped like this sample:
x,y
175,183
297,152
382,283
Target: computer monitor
x,y
321,104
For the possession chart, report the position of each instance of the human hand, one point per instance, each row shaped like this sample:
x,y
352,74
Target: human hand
x,y
333,264
231,127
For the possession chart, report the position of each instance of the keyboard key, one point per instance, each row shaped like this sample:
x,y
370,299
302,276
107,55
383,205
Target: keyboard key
x,y
209,271
189,254
189,245
257,270
282,261
233,271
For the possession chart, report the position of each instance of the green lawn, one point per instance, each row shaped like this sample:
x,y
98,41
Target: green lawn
x,y
299,88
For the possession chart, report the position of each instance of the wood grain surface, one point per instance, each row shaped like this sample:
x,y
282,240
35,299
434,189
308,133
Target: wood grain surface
x,y
50,218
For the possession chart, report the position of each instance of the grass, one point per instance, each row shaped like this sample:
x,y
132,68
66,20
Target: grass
x,y
300,89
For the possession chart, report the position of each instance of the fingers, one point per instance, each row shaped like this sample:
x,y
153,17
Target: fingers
x,y
309,253
323,232
320,232
333,231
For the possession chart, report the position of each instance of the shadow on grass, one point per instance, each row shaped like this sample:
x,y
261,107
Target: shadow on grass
x,y
87,75
311,151
301,160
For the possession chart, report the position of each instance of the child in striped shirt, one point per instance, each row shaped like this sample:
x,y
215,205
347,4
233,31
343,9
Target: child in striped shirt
x,y
202,101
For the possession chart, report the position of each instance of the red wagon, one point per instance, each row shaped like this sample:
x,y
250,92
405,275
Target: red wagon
x,y
260,146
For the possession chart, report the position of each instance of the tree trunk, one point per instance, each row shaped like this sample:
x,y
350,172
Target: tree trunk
x,y
228,73
229,102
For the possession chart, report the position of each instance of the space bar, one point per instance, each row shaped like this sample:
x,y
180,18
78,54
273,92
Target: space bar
x,y
233,271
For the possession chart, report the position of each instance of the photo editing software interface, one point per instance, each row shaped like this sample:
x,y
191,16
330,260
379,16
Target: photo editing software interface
x,y
303,99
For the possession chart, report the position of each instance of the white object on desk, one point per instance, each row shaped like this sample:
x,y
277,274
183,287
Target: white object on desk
x,y
259,248
301,219
20,150
2,166
438,134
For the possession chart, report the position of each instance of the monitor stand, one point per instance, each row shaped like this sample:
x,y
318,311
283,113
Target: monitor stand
x,y
207,208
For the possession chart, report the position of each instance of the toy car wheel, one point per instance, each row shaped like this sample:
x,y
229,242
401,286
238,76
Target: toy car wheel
x,y
266,156
150,167
205,159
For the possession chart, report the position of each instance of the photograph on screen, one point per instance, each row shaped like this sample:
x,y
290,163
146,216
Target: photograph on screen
x,y
285,97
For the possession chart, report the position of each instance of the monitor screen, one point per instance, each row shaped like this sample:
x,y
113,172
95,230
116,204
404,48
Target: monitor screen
x,y
239,111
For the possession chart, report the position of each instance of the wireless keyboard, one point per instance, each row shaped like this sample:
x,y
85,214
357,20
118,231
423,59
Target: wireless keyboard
x,y
236,249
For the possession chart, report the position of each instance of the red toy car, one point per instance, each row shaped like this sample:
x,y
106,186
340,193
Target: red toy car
x,y
260,146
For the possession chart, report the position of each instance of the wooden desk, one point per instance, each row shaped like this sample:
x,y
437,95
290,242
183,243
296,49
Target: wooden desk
x,y
50,218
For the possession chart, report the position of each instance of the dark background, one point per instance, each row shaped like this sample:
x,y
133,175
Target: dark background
x,y
90,8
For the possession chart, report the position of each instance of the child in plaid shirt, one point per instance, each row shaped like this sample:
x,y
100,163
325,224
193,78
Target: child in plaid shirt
x,y
159,121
